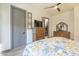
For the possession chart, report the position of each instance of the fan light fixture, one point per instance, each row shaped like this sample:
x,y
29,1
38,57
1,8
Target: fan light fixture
x,y
56,7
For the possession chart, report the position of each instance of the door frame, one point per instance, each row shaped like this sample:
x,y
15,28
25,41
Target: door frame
x,y
11,17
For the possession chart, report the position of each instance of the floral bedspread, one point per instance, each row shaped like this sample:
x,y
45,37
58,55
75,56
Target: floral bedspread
x,y
56,46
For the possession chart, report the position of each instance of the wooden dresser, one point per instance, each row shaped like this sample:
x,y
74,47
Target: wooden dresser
x,y
62,34
39,33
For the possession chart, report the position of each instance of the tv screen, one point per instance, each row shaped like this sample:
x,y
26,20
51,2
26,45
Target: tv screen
x,y
38,23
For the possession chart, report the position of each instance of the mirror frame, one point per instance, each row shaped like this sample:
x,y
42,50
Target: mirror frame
x,y
43,21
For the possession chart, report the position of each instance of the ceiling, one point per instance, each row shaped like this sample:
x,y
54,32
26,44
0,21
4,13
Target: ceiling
x,y
53,11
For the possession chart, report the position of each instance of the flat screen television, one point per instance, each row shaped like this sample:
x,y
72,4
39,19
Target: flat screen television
x,y
37,23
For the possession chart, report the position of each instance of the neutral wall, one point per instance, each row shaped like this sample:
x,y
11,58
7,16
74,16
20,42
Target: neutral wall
x,y
0,24
5,29
6,21
67,17
76,23
36,13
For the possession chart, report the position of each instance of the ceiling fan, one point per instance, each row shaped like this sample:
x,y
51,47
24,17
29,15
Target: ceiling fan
x,y
55,6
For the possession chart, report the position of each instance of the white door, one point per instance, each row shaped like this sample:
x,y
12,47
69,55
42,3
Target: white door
x,y
18,27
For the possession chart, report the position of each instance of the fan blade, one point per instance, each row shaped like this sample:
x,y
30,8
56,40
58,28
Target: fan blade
x,y
49,7
58,9
58,4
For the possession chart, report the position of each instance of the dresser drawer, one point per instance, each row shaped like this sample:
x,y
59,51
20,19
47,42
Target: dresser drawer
x,y
62,34
39,33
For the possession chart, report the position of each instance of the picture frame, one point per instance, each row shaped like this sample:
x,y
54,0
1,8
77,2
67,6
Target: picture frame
x,y
29,20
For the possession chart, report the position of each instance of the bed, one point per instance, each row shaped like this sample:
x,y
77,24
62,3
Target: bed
x,y
56,46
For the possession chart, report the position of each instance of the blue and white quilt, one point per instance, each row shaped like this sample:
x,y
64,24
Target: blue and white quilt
x,y
56,46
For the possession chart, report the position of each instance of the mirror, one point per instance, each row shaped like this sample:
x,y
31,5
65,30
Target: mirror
x,y
46,26
29,21
61,27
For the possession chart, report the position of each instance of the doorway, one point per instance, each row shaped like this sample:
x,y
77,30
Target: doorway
x,y
46,26
18,22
